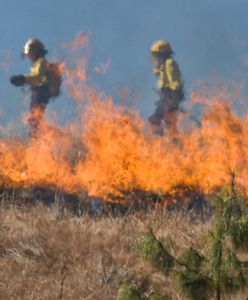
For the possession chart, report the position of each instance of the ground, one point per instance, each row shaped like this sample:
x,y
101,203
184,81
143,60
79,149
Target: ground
x,y
46,253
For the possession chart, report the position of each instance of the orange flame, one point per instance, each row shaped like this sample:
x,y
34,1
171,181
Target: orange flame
x,y
110,150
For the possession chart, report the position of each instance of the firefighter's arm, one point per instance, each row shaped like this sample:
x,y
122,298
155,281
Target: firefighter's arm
x,y
173,74
162,81
37,72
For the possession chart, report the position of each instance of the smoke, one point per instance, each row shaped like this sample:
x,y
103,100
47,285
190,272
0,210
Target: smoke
x,y
102,68
219,40
107,150
6,61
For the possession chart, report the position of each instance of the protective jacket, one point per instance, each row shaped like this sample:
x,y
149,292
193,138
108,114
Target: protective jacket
x,y
169,75
37,76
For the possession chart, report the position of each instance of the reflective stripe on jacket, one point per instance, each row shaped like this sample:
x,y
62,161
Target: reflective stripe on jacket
x,y
37,74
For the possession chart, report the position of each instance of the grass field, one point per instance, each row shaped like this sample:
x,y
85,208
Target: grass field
x,y
49,254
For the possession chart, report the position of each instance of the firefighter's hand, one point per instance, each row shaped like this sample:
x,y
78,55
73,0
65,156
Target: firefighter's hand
x,y
18,80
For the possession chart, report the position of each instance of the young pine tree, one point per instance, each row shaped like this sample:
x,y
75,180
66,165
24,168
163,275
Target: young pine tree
x,y
219,271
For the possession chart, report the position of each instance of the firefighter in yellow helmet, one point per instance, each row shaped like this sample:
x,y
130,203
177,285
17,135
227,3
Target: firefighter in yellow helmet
x,y
38,81
169,86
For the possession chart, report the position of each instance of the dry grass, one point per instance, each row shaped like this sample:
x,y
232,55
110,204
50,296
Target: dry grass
x,y
47,255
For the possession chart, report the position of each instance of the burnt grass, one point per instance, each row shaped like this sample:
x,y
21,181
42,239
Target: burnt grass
x,y
57,245
180,198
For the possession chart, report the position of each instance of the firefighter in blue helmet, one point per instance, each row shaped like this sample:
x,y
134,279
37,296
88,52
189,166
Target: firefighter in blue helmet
x,y
38,81
169,86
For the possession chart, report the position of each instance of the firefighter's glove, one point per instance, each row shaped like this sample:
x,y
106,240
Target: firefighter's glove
x,y
18,80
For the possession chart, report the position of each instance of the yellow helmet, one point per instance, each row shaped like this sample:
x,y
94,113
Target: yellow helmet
x,y
161,46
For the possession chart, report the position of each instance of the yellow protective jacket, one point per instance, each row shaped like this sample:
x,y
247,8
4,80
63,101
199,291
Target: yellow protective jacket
x,y
37,74
169,75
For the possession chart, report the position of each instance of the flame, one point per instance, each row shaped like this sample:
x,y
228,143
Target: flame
x,y
80,41
109,148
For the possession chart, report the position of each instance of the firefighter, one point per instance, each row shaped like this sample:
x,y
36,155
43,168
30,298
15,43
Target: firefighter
x,y
169,86
37,80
